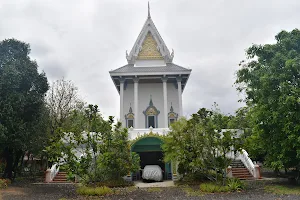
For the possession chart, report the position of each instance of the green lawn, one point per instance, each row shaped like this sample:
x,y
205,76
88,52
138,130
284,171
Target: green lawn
x,y
283,189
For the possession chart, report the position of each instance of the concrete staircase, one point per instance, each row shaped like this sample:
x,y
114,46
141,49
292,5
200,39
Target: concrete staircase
x,y
61,177
240,171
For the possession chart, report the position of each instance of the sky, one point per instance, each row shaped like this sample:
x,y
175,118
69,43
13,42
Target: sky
x,y
82,40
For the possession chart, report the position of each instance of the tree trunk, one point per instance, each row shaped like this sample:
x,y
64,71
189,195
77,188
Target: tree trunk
x,y
16,163
8,156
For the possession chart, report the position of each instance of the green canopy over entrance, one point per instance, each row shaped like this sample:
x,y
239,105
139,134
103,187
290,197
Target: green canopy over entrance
x,y
147,144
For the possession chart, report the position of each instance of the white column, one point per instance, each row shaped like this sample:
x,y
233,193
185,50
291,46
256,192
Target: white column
x,y
164,80
179,95
122,102
136,102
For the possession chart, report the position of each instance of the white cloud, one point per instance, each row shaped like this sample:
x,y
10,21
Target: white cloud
x,y
83,40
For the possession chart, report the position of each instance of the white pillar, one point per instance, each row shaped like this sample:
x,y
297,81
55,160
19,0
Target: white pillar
x,y
122,102
179,95
164,80
136,102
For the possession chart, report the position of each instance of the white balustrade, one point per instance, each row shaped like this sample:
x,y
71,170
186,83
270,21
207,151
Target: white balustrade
x,y
243,156
54,170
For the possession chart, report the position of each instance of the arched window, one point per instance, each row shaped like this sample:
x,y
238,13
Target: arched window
x,y
151,115
172,116
129,118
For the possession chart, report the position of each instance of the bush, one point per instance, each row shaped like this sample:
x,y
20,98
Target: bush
x,y
115,183
94,191
213,188
4,183
235,184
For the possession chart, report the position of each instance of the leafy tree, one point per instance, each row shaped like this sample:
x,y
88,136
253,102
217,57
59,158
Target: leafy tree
x,y
198,146
93,148
22,91
270,78
62,98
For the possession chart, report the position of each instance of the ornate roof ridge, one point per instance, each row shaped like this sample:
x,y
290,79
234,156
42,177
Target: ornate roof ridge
x,y
161,46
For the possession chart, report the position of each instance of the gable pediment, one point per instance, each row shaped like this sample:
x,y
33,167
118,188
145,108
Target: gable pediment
x,y
149,49
149,45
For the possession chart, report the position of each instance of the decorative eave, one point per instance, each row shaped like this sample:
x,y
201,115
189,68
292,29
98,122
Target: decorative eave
x,y
161,46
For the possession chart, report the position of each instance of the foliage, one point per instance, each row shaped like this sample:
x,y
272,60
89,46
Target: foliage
x,y
94,149
283,189
151,134
191,192
270,79
212,187
4,183
115,183
154,189
235,184
23,115
94,191
62,100
198,146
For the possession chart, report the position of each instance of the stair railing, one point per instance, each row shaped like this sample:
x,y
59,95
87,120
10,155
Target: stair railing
x,y
54,170
243,156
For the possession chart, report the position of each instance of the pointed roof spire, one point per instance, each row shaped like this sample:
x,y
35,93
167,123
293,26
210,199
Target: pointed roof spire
x,y
151,102
171,109
149,16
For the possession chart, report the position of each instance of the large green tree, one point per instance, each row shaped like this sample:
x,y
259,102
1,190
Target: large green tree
x,y
22,108
199,147
270,79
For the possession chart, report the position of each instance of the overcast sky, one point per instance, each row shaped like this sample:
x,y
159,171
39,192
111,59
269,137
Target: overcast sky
x,y
82,40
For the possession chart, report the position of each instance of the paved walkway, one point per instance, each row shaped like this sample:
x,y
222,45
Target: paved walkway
x,y
141,184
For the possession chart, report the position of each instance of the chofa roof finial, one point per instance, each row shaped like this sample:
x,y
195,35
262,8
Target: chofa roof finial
x,y
149,16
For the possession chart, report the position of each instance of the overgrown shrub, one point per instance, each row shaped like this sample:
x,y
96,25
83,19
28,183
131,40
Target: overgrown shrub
x,y
213,188
4,183
94,191
235,184
103,145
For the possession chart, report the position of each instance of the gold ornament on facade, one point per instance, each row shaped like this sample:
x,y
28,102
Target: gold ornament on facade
x,y
130,116
151,111
149,49
172,115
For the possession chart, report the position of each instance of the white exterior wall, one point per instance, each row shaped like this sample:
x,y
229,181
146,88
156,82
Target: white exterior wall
x,y
144,92
150,63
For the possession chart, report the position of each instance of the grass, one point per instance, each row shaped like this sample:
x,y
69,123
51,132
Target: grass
x,y
154,189
213,188
94,191
115,183
283,189
191,192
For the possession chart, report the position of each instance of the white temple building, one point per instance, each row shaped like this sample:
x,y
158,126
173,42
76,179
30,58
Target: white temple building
x,y
150,85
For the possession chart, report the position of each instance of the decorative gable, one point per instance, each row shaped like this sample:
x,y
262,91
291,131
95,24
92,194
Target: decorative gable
x,y
149,45
149,50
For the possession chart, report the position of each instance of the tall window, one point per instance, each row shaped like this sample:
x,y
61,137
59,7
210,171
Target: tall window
x,y
151,121
151,115
129,123
129,118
